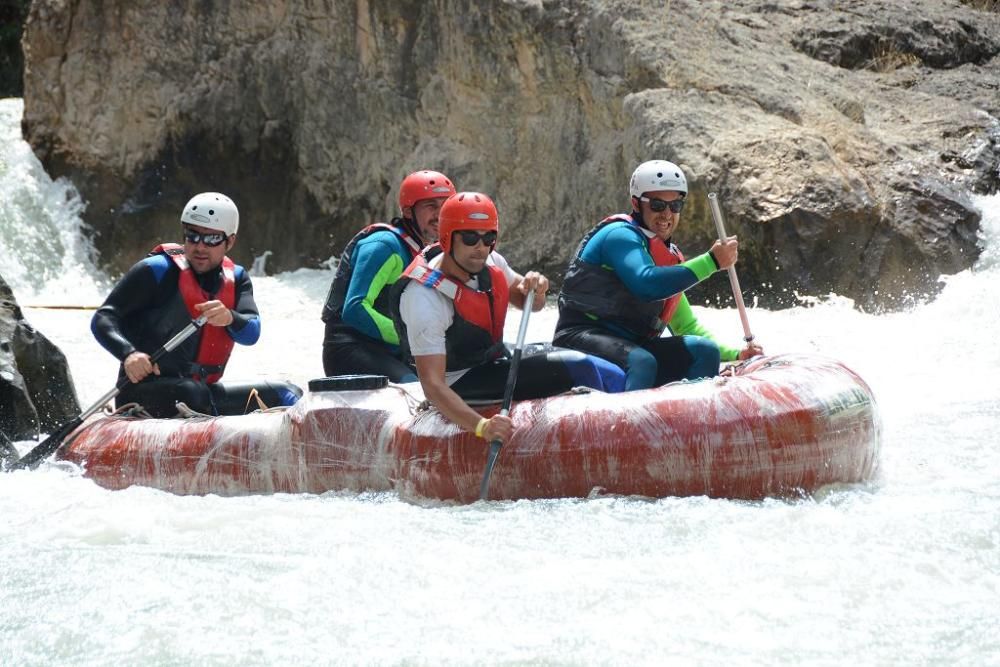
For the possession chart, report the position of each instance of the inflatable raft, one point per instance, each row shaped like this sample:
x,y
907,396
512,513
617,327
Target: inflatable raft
x,y
778,426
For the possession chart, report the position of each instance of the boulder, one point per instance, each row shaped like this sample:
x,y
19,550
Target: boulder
x,y
843,137
36,390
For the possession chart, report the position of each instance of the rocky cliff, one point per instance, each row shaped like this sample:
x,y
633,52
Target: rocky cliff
x,y
843,137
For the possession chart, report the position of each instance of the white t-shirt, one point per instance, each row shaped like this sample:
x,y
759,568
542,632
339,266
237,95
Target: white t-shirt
x,y
428,313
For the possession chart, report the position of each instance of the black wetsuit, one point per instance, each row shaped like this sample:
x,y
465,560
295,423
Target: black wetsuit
x,y
145,309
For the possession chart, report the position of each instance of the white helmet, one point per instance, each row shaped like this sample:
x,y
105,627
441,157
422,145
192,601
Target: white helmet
x,y
212,210
657,175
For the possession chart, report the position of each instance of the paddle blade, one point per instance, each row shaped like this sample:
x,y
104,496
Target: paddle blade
x,y
47,447
491,460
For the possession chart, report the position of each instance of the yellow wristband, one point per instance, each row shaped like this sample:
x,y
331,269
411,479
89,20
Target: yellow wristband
x,y
480,426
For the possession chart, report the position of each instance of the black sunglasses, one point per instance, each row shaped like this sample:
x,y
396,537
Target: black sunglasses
x,y
472,238
660,205
211,239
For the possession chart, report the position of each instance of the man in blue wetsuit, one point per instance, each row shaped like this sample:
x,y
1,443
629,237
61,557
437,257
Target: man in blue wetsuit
x,y
626,284
161,294
360,336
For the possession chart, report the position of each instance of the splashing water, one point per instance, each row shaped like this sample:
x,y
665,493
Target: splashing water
x,y
45,256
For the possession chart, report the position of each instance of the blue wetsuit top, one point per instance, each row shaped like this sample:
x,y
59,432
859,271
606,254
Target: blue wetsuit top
x,y
621,247
378,260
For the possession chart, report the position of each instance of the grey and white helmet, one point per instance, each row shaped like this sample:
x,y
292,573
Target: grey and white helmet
x,y
213,211
657,175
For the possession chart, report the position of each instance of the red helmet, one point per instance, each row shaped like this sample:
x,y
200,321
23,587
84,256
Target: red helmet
x,y
424,185
466,210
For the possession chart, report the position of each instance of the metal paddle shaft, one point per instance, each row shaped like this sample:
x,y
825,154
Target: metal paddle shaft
x,y
49,446
508,392
713,202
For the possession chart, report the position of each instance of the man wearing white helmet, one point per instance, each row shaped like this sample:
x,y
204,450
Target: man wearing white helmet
x,y
162,293
625,285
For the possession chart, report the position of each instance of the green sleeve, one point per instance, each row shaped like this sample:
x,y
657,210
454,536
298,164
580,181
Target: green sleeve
x,y
702,266
684,323
387,275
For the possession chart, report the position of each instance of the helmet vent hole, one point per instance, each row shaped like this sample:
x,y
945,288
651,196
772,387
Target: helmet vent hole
x,y
659,174
211,211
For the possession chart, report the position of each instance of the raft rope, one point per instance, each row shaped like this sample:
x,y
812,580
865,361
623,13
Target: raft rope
x,y
188,413
417,406
732,370
130,410
184,411
126,411
414,404
255,396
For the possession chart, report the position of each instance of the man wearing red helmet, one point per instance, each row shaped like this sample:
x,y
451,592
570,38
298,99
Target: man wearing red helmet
x,y
360,336
449,307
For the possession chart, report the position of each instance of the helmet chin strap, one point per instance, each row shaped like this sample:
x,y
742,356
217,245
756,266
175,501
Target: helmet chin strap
x,y
637,214
451,253
413,229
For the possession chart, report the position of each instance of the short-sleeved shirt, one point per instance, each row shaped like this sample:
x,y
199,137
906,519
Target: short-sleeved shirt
x,y
428,313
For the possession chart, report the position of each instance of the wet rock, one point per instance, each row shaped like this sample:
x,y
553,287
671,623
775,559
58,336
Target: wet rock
x,y
844,138
36,390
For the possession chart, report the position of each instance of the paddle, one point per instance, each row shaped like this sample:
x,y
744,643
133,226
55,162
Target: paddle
x,y
713,202
508,393
8,453
49,446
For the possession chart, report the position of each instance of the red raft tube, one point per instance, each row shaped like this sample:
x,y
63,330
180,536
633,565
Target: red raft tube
x,y
779,426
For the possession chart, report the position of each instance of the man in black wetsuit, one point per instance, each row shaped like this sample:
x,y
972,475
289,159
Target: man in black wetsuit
x,y
161,294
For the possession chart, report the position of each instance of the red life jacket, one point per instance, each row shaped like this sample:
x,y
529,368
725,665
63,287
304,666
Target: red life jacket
x,y
475,336
215,344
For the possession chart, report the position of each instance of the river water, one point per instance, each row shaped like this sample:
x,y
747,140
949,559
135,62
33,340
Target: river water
x,y
903,570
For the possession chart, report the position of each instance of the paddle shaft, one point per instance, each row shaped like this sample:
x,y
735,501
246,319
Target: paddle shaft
x,y
713,202
51,444
508,392
8,453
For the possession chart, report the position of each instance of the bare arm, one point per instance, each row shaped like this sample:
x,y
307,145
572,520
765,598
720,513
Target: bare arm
x,y
430,370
